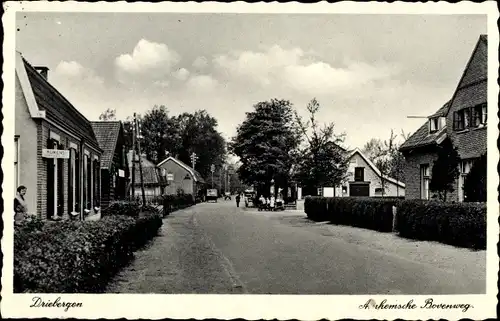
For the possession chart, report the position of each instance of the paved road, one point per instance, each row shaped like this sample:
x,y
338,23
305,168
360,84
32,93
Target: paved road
x,y
217,248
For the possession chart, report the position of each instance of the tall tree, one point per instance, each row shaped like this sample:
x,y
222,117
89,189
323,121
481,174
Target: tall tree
x,y
445,170
266,143
160,132
322,161
108,114
387,158
475,182
198,134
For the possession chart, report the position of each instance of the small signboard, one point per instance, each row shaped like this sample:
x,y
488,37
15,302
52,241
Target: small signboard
x,y
121,173
170,177
55,153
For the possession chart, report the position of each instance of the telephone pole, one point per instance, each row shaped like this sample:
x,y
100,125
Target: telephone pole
x,y
140,161
133,158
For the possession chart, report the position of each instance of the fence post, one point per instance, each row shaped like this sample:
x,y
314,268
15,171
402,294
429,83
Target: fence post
x,y
394,218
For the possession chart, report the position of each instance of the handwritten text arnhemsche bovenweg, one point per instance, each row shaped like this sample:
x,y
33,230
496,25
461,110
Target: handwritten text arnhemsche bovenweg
x,y
411,305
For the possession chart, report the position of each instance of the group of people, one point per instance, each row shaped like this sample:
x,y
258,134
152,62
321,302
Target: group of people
x,y
270,203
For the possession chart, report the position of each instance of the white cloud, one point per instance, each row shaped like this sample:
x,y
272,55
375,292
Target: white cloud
x,y
296,69
74,72
202,82
162,83
181,74
147,56
200,63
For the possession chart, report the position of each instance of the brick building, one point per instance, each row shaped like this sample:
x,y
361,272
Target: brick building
x,y
57,154
181,177
114,164
463,119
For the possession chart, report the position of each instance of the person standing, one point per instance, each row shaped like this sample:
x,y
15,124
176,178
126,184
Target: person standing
x,y
20,205
272,202
238,198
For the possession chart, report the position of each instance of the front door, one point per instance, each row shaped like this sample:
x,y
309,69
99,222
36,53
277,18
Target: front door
x,y
359,189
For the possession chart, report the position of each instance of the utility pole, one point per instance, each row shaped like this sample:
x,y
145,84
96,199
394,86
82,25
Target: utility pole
x,y
133,158
194,157
212,169
140,162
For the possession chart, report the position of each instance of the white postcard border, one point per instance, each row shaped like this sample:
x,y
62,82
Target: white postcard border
x,y
303,307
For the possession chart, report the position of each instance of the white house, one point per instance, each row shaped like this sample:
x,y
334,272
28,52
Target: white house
x,y
365,179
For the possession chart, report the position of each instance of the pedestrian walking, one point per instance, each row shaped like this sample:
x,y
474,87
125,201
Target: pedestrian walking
x,y
20,205
238,198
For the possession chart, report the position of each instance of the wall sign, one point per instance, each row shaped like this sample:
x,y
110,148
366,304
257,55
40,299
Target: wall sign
x,y
55,153
121,173
170,177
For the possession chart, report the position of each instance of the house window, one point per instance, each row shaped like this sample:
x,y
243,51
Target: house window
x,y
96,180
470,117
359,174
72,198
484,114
434,124
467,120
424,181
458,120
378,191
465,166
16,162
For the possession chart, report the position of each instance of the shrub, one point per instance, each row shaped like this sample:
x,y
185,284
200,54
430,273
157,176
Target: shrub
x,y
315,208
371,213
459,224
174,202
126,208
77,256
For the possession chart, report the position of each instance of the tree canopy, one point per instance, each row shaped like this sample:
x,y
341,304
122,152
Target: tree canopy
x,y
266,143
322,162
475,182
445,170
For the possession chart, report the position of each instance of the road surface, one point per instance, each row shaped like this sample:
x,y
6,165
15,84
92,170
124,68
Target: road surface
x,y
218,248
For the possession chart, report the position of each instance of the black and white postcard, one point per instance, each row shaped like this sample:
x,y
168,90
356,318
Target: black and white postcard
x,y
253,161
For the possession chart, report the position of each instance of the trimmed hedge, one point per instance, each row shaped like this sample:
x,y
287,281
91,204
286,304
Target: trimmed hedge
x,y
459,224
125,208
77,256
371,213
172,203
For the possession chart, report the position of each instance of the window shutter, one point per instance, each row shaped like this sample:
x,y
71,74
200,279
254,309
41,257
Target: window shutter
x,y
50,181
77,182
60,183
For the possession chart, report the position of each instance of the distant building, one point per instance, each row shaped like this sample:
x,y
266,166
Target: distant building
x,y
181,177
463,119
154,185
365,179
57,156
114,165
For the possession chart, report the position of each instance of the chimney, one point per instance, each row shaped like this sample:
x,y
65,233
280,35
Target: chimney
x,y
44,71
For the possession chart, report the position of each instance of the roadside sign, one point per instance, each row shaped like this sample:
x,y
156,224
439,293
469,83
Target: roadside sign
x,y
55,153
121,173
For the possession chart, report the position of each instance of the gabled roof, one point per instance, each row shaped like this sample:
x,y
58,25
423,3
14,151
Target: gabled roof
x,y
149,171
56,107
374,168
107,133
422,137
472,87
194,173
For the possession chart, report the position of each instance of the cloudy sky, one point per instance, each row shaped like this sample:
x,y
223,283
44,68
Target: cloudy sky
x,y
369,72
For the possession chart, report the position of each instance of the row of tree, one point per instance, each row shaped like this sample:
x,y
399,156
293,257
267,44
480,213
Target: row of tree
x,y
275,146
180,136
